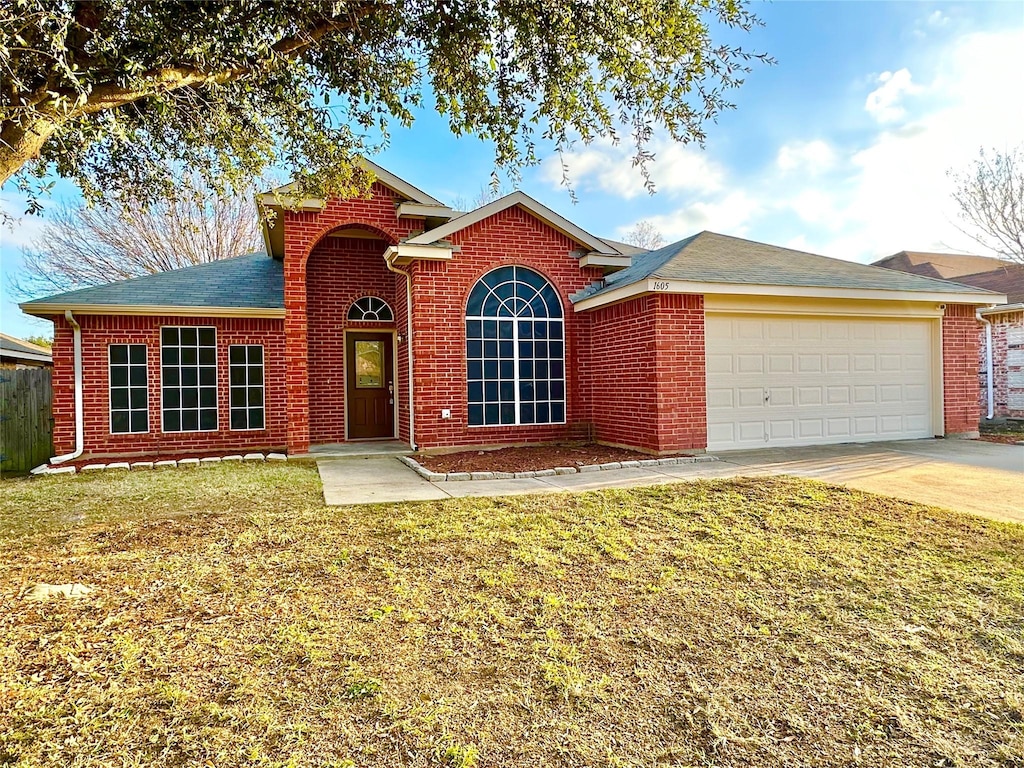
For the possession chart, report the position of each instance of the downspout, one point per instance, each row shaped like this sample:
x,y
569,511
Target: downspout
x,y
408,340
988,363
79,415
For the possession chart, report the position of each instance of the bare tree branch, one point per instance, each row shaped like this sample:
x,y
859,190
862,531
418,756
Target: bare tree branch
x,y
645,235
990,197
82,246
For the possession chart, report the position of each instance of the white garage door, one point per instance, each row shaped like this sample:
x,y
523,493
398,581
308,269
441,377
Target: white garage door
x,y
774,380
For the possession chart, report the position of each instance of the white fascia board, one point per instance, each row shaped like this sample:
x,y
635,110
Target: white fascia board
x,y
149,310
281,197
401,186
539,210
403,253
418,210
657,285
1003,309
593,259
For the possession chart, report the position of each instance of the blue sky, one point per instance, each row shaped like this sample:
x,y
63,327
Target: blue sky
x,y
840,148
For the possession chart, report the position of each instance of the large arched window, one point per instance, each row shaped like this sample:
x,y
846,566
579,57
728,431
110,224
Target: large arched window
x,y
515,350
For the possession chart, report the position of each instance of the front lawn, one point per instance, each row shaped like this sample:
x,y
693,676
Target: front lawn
x,y
237,621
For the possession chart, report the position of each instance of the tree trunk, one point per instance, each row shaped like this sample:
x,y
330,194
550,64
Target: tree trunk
x,y
20,143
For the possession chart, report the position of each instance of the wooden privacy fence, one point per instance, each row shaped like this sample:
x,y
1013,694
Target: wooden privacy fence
x,y
26,418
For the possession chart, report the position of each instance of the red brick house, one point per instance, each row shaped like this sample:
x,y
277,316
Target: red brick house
x,y
395,317
1001,344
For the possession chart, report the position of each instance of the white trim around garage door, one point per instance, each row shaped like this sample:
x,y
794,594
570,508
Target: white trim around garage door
x,y
919,333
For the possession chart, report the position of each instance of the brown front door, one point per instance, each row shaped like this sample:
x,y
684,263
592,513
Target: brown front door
x,y
371,385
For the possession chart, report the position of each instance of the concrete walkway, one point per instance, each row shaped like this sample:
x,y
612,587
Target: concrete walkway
x,y
970,476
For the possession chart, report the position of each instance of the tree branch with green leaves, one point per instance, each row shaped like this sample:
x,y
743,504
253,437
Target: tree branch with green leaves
x,y
121,96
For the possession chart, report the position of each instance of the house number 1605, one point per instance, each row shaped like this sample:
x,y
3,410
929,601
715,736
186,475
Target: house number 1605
x,y
661,285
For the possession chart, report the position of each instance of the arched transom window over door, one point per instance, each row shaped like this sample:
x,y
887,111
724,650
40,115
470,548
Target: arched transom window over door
x,y
515,350
370,308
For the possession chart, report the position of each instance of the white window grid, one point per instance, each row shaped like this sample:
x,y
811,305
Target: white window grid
x,y
136,395
369,309
201,377
511,354
250,383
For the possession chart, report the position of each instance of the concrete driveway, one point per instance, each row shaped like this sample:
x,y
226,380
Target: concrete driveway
x,y
967,475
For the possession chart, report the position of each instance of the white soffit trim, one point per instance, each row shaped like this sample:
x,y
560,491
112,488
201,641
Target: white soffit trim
x,y
1003,309
149,310
657,285
542,212
418,210
605,260
403,253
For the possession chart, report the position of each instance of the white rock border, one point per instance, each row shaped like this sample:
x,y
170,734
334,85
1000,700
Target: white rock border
x,y
443,477
46,469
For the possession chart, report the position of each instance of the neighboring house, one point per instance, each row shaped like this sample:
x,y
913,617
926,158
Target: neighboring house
x,y
1004,339
18,353
393,317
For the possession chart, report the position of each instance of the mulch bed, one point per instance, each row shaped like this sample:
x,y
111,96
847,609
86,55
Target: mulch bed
x,y
530,458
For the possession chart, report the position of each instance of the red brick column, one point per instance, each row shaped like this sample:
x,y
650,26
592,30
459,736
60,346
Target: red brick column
x,y
960,371
680,378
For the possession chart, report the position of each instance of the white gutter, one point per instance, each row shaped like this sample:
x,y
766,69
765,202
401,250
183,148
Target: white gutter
x,y
989,384
388,256
79,415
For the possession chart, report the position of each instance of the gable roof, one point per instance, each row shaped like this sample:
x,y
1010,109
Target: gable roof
x,y
245,285
400,186
12,347
947,266
526,202
710,258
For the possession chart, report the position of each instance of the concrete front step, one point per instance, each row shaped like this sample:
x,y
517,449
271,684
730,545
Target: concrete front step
x,y
375,449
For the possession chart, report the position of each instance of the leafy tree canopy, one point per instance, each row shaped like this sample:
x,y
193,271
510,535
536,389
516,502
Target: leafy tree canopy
x,y
120,95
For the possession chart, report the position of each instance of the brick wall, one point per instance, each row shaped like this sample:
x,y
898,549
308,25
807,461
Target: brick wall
x,y
440,291
960,369
1007,366
648,373
623,373
339,271
303,230
681,380
100,331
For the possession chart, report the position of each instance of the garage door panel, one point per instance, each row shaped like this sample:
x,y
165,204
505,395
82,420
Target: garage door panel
x,y
805,380
747,363
810,396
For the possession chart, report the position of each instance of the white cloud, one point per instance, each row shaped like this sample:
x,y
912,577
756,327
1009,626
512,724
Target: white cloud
x,y
937,19
883,103
676,168
812,157
729,214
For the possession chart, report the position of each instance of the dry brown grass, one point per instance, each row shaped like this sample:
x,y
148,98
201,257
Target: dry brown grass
x,y
239,622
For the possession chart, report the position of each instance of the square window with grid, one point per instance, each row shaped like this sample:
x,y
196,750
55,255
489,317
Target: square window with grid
x,y
246,364
188,372
129,388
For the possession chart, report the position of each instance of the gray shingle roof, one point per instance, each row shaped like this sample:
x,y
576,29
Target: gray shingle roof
x,y
712,258
255,281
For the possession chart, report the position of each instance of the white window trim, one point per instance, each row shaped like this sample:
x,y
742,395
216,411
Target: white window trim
x,y
110,387
350,319
515,320
216,376
247,387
